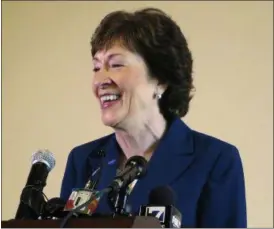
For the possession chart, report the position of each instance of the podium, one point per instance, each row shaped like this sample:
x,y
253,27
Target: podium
x,y
97,222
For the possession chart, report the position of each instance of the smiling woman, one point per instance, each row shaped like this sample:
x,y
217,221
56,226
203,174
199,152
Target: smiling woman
x,y
143,83
123,87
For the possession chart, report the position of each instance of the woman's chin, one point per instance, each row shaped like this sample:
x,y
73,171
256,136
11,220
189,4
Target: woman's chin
x,y
109,120
113,118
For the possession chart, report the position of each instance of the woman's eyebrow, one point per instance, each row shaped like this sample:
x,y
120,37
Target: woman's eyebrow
x,y
111,56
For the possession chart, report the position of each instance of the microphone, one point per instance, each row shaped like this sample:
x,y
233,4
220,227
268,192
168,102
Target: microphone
x,y
161,205
118,200
124,182
82,195
82,201
135,168
32,197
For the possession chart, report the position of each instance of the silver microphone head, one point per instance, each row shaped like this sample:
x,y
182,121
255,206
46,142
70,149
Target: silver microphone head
x,y
44,156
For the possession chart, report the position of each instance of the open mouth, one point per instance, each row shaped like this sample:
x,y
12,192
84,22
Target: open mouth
x,y
109,100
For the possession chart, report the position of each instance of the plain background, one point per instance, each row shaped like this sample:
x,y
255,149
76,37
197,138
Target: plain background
x,y
48,103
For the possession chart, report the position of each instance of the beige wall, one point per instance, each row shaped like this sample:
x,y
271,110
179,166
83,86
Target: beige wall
x,y
48,102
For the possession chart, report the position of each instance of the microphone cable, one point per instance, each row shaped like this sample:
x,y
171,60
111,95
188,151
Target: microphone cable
x,y
29,203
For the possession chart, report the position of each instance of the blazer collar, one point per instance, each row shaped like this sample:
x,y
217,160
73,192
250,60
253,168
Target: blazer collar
x,y
177,139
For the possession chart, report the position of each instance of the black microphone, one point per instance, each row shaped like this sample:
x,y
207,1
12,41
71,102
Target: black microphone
x,y
135,168
117,201
32,198
162,206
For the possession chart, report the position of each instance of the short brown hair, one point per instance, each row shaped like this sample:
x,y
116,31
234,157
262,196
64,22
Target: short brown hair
x,y
158,39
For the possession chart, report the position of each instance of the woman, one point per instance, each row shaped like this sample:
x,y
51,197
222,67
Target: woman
x,y
143,83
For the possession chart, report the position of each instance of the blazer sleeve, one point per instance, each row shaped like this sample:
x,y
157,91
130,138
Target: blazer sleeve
x,y
69,178
223,202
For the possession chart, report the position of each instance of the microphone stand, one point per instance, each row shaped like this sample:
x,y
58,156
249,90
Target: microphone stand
x,y
120,202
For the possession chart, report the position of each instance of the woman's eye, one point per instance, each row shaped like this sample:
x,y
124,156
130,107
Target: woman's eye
x,y
116,65
96,69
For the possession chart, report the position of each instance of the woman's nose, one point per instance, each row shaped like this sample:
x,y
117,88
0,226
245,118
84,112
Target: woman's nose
x,y
102,83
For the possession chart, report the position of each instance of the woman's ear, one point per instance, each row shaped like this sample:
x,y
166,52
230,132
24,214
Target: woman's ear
x,y
162,88
159,90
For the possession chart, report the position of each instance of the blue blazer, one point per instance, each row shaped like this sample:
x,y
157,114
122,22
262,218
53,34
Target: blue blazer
x,y
205,173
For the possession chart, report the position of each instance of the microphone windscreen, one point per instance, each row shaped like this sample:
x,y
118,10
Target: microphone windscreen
x,y
44,156
162,196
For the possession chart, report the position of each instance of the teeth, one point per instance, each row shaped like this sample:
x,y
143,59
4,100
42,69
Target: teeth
x,y
105,98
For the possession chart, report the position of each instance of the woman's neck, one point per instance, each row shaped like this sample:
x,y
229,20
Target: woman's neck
x,y
140,137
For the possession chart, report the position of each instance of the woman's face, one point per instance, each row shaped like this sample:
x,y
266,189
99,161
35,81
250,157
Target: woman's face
x,y
122,86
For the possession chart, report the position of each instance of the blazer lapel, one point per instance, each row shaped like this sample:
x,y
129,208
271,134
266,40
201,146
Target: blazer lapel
x,y
171,159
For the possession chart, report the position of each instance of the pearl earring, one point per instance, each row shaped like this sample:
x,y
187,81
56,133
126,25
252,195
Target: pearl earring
x,y
157,93
158,96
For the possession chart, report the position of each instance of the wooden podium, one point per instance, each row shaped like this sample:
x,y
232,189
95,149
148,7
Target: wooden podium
x,y
97,222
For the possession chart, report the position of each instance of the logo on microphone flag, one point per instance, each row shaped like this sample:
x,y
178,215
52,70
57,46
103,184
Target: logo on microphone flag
x,y
156,211
70,202
80,196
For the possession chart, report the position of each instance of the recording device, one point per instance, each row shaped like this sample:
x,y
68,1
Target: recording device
x,y
32,198
161,205
86,201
